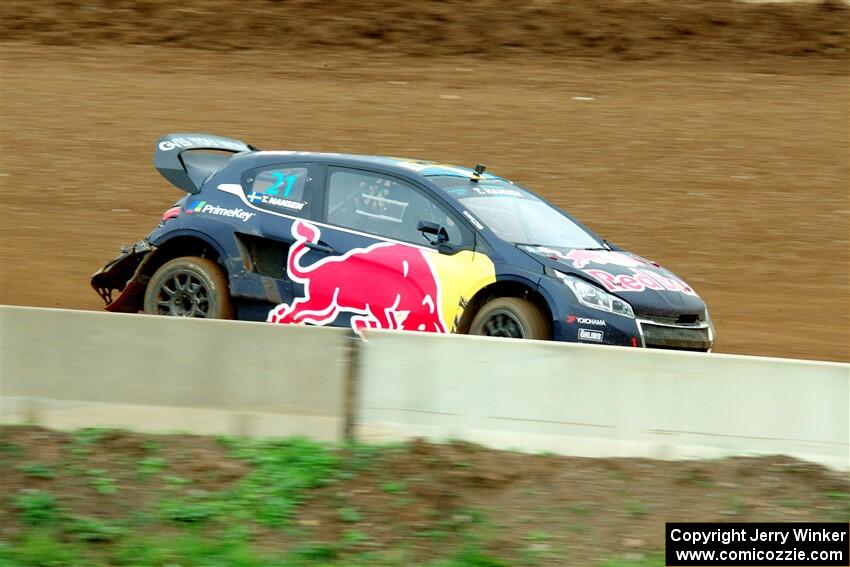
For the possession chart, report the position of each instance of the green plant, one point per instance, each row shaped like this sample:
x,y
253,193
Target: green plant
x,y
152,445
37,470
102,484
653,560
394,487
10,450
83,439
471,558
349,515
284,469
92,529
37,507
736,506
150,465
39,547
175,480
537,536
355,537
636,508
190,510
841,513
316,552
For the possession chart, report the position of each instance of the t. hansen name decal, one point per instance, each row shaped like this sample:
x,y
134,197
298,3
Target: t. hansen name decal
x,y
265,199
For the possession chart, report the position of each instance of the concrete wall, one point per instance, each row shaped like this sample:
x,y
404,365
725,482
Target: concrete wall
x,y
68,369
600,401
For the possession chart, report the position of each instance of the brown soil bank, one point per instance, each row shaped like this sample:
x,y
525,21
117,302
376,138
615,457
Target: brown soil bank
x,y
622,29
368,505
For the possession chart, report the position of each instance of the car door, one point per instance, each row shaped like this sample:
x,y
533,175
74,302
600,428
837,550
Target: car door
x,y
369,265
279,194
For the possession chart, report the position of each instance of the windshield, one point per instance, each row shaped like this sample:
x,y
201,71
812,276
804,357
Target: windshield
x,y
515,214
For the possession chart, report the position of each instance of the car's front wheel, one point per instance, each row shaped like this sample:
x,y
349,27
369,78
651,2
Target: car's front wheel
x,y
189,287
511,317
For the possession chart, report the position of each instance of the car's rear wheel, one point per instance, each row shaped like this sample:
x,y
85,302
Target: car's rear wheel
x,y
189,287
511,317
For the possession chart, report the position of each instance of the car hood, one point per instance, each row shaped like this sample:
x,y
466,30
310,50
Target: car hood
x,y
650,289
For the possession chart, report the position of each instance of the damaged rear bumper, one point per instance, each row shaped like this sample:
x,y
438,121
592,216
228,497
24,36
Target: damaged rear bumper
x,y
124,274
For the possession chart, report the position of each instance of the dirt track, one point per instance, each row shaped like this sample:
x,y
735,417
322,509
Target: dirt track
x,y
725,160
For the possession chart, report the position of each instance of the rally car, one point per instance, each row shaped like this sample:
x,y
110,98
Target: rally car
x,y
373,242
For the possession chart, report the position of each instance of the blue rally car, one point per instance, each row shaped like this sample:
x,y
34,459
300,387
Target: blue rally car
x,y
387,243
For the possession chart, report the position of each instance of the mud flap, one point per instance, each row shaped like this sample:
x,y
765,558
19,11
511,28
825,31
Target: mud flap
x,y
124,274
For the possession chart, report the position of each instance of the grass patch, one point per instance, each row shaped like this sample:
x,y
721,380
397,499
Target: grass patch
x,y
37,508
282,471
102,483
37,470
636,509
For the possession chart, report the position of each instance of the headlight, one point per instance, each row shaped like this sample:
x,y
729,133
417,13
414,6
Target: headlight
x,y
594,297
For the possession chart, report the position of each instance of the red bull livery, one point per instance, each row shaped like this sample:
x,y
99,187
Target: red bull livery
x,y
405,297
370,242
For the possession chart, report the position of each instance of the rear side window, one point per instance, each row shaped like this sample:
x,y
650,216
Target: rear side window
x,y
385,206
282,189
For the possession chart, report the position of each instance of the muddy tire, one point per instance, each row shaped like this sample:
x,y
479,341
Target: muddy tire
x,y
511,317
189,287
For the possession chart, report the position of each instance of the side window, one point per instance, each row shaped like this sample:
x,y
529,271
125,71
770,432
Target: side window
x,y
283,189
385,206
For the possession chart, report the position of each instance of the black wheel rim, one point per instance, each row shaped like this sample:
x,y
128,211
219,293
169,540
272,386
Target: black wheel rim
x,y
183,294
502,324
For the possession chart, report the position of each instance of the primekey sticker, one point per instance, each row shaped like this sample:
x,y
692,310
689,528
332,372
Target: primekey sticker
x,y
209,209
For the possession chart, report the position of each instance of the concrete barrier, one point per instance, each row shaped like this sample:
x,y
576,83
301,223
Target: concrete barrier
x,y
69,369
598,401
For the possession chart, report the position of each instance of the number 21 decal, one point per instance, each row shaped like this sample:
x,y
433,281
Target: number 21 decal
x,y
280,178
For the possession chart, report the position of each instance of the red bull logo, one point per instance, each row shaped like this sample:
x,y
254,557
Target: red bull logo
x,y
641,280
384,286
581,258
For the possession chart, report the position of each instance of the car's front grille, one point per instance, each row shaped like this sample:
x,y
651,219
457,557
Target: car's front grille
x,y
687,319
676,337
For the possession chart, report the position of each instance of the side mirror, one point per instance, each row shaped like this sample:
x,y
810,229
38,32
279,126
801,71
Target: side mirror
x,y
426,227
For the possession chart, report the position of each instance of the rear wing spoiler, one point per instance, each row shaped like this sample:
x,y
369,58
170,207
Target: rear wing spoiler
x,y
173,158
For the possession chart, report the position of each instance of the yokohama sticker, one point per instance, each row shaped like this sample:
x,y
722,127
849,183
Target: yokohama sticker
x,y
640,280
